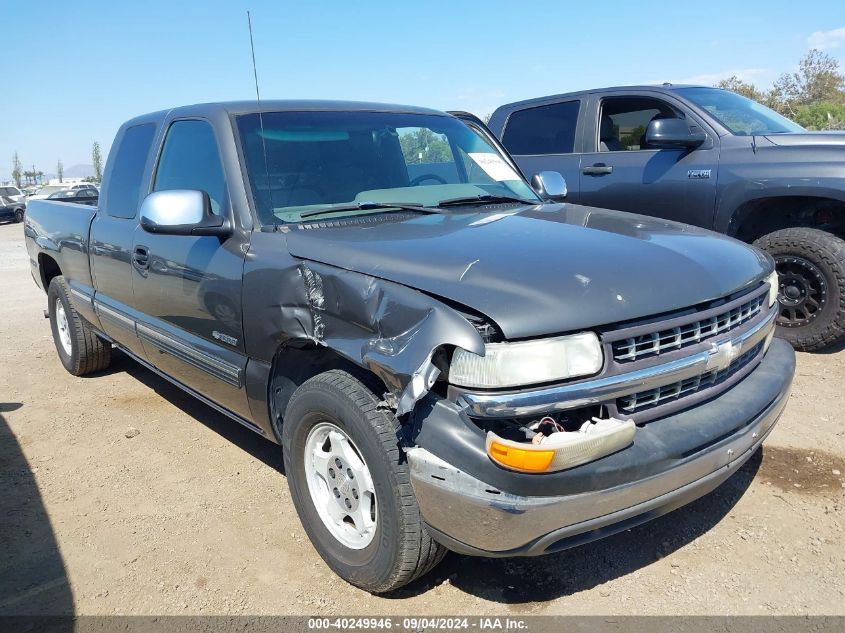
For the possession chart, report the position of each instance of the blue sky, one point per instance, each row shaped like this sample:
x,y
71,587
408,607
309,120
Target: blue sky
x,y
80,69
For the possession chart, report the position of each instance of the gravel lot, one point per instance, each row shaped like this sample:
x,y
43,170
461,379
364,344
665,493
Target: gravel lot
x,y
191,514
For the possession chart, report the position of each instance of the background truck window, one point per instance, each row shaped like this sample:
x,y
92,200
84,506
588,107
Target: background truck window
x,y
548,129
623,122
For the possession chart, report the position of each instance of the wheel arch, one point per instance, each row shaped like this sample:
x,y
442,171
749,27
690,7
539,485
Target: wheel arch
x,y
759,216
48,268
298,361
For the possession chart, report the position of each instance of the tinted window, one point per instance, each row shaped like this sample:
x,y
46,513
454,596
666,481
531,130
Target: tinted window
x,y
190,160
543,130
623,122
124,186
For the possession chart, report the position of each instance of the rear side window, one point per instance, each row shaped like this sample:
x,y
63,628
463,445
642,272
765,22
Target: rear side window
x,y
546,129
124,186
190,160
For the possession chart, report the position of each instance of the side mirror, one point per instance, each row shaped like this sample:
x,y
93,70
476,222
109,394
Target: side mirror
x,y
672,133
549,185
182,212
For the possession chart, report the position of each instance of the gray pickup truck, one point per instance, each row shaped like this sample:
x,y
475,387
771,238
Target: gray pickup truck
x,y
706,157
448,360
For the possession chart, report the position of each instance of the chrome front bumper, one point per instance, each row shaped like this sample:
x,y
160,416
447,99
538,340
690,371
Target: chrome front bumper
x,y
471,516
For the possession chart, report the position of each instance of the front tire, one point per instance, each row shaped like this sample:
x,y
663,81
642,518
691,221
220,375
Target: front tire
x,y
80,349
18,216
811,271
351,486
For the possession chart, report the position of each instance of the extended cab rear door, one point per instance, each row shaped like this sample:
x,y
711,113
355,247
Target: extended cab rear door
x,y
619,170
110,242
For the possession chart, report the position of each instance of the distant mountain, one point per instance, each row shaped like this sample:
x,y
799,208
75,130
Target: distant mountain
x,y
79,171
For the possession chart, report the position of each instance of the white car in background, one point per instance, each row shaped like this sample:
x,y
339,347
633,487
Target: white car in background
x,y
47,190
13,193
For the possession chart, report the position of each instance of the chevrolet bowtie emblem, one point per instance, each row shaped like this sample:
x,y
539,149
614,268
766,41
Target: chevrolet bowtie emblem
x,y
723,354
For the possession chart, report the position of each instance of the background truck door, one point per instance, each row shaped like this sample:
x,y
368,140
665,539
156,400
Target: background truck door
x,y
188,288
543,137
619,170
112,233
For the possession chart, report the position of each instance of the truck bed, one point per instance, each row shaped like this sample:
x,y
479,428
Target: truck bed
x,y
59,230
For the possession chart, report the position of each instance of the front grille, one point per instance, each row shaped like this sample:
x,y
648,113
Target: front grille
x,y
668,339
661,395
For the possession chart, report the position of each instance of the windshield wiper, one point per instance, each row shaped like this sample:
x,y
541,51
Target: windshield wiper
x,y
483,199
367,206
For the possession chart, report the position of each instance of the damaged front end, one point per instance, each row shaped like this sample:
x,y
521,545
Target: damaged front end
x,y
401,335
393,331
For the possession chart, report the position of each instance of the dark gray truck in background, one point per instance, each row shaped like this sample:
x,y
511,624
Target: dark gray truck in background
x,y
710,158
447,359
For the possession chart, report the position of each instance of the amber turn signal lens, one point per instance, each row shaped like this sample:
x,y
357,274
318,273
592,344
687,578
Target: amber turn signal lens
x,y
521,459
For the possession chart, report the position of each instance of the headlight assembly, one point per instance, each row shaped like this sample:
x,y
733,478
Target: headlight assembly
x,y
773,282
528,362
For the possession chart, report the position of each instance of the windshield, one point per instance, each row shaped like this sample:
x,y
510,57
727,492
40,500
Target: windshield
x,y
317,160
740,115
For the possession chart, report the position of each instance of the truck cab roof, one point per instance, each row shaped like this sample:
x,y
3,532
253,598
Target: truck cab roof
x,y
664,88
281,105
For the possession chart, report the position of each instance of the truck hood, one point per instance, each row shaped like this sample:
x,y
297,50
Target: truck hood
x,y
544,269
808,139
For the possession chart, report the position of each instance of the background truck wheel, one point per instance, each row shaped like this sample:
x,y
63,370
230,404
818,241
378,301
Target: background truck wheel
x,y
351,486
19,216
811,268
80,349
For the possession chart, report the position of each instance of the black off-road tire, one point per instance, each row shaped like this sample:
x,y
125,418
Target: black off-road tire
x,y
402,549
89,353
826,253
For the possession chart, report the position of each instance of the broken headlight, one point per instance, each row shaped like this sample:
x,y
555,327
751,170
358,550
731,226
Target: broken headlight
x,y
528,362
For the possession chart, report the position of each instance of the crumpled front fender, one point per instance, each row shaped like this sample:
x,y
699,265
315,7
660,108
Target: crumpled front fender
x,y
389,329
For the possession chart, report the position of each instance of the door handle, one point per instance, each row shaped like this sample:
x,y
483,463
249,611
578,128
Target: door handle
x,y
599,169
141,257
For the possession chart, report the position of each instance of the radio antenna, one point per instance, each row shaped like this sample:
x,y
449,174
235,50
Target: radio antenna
x,y
260,114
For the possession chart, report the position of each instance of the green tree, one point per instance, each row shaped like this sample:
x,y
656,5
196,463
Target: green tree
x,y
17,169
737,85
425,146
821,116
60,170
818,80
97,161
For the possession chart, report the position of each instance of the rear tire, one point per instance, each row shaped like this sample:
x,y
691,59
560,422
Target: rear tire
x,y
395,547
811,270
19,216
80,349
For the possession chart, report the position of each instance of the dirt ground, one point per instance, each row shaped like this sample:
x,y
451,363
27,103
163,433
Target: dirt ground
x,y
192,514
